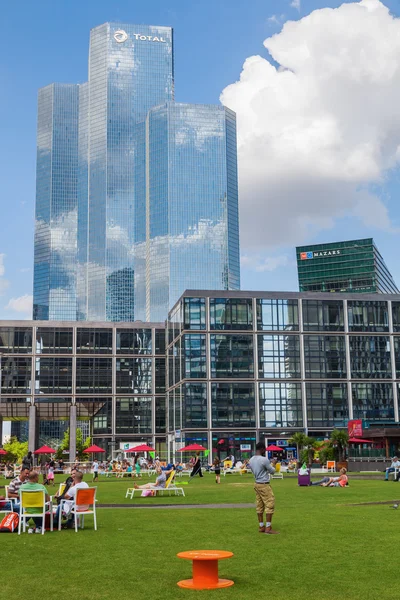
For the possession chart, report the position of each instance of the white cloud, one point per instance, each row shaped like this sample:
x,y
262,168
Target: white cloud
x,y
276,19
296,4
23,304
4,283
317,131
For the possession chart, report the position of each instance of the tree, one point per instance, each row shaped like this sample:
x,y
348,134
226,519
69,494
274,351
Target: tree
x,y
80,444
310,444
339,442
298,439
15,450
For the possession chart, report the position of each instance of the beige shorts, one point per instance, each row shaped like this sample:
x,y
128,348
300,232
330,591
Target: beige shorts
x,y
265,499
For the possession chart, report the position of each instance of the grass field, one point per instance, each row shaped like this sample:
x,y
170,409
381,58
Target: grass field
x,y
327,549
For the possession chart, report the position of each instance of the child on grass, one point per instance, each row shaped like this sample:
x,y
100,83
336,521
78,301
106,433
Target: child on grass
x,y
217,470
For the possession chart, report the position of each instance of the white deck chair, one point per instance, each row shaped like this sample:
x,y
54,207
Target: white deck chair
x,y
170,486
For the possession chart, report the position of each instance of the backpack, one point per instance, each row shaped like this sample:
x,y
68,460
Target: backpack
x,y
10,523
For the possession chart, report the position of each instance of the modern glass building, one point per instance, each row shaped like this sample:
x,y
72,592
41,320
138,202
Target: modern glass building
x,y
55,262
189,227
130,157
236,367
106,379
353,266
249,366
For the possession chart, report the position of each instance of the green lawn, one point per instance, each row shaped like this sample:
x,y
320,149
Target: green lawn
x,y
326,550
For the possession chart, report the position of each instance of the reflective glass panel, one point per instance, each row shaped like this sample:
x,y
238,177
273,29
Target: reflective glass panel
x,y
368,315
231,313
51,340
233,405
280,405
133,415
93,341
278,356
134,341
373,401
325,357
327,404
232,356
277,315
93,375
323,315
133,375
194,405
370,357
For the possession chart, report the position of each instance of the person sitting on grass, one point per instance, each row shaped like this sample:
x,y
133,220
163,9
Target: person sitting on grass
x,y
340,481
33,485
159,483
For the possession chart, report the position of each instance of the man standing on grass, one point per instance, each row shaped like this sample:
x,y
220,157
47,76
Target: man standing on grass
x,y
262,470
95,468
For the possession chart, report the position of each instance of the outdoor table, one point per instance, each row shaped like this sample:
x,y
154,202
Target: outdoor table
x,y
205,569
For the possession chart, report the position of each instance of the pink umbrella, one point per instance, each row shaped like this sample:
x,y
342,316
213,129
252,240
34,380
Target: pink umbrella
x,y
192,448
45,450
93,449
2,451
141,448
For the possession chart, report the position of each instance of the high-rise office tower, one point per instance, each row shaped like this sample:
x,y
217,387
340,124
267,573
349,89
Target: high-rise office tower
x,y
151,204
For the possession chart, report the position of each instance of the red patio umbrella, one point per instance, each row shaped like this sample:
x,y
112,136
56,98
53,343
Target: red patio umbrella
x,y
360,441
192,448
93,449
45,450
2,451
273,448
141,448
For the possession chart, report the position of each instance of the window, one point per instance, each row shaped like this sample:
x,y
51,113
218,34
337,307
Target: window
x,y
370,357
194,405
15,340
231,313
16,375
50,340
93,341
99,410
327,404
373,402
368,315
233,405
133,415
94,375
323,315
54,375
194,313
280,405
134,341
232,356
160,375
133,375
395,315
277,315
278,356
194,356
325,357
161,425
160,341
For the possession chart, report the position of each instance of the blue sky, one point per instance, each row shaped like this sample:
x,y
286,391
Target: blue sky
x,y
45,41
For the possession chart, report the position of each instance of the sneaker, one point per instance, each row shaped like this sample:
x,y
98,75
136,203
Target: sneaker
x,y
30,530
38,530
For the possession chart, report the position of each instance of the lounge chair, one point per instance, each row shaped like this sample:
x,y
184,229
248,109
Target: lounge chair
x,y
170,486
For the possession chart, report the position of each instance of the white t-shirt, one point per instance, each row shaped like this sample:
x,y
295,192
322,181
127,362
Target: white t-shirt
x,y
95,467
72,493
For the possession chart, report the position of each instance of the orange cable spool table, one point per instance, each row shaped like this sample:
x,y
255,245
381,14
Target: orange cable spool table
x,y
205,569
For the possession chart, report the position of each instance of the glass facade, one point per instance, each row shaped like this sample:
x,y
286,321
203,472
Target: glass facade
x,y
354,266
136,195
271,364
108,379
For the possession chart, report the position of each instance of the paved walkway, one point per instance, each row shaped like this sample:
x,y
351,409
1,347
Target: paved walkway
x,y
176,506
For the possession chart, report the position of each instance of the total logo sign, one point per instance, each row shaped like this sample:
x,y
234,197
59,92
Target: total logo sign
x,y
308,255
121,36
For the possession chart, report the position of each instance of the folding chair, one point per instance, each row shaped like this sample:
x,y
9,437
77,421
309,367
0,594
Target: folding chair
x,y
36,500
84,504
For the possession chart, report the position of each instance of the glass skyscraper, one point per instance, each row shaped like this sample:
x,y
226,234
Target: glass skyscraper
x,y
146,204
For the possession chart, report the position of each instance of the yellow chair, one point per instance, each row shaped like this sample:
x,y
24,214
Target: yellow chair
x,y
278,473
37,501
61,489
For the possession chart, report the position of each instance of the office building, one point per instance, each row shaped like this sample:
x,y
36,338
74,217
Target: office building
x,y
106,379
353,266
124,174
238,367
249,366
